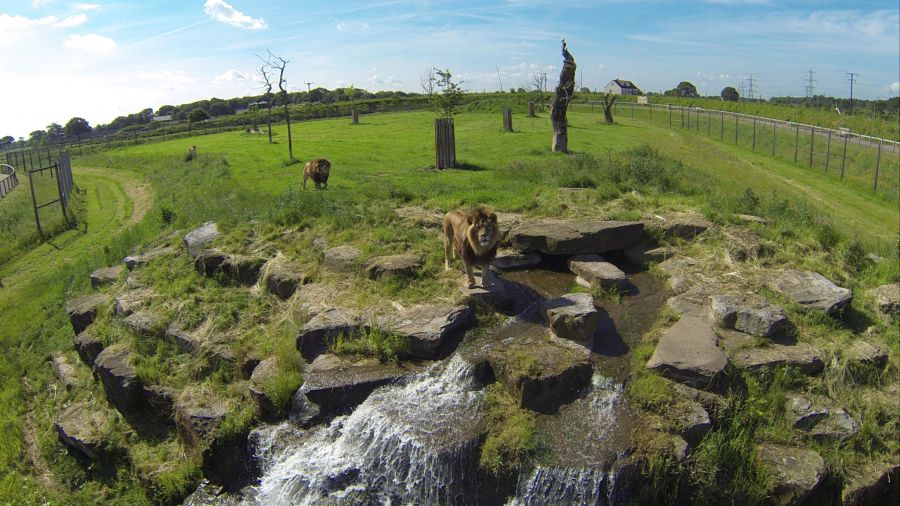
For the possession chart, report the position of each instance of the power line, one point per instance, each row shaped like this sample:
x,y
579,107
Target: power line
x,y
811,84
851,77
750,87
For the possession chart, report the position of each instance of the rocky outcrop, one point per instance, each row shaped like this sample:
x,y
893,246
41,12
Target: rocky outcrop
x,y
595,272
341,258
186,342
510,260
209,261
877,485
490,291
88,347
105,276
559,237
427,327
321,331
796,472
687,353
572,316
133,261
200,238
801,355
680,225
283,277
65,371
743,315
84,429
810,289
123,389
392,265
887,300
268,409
646,252
680,272
83,310
238,268
803,414
867,354
144,324
128,302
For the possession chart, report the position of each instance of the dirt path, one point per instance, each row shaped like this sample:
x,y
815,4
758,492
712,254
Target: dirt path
x,y
139,191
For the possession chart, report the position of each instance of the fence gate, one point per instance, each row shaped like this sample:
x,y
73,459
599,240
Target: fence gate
x,y
61,171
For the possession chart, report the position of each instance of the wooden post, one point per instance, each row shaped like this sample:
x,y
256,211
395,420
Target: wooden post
x,y
721,126
632,110
708,123
62,193
796,141
531,109
773,138
828,151
736,128
812,141
754,133
689,118
670,114
355,115
650,108
507,120
878,164
844,157
37,216
444,143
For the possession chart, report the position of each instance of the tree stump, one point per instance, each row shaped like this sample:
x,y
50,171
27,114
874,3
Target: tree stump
x,y
355,115
444,143
531,110
507,120
564,93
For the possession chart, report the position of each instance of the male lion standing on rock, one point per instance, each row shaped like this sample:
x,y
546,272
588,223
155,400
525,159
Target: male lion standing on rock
x,y
317,170
473,236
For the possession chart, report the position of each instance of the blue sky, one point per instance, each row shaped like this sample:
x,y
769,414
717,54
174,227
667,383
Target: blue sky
x,y
99,59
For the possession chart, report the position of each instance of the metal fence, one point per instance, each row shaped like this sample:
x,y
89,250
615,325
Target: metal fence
x,y
9,179
61,172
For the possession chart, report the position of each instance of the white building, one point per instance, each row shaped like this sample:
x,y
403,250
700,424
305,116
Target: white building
x,y
621,87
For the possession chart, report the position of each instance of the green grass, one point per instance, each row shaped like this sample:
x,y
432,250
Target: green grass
x,y
513,441
251,190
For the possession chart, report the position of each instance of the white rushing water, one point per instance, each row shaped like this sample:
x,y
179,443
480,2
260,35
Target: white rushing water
x,y
410,443
592,483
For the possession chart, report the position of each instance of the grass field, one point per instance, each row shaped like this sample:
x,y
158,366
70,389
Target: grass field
x,y
137,193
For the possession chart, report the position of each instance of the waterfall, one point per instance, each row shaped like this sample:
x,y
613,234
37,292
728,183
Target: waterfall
x,y
410,443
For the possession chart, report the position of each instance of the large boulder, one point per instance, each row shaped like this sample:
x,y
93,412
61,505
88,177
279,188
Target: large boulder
x,y
427,327
268,410
876,485
393,265
688,353
887,300
283,277
105,276
572,316
341,258
243,269
801,355
200,238
209,261
810,290
595,272
321,331
862,353
65,371
144,324
743,315
803,413
123,388
84,429
83,310
796,472
559,237
88,347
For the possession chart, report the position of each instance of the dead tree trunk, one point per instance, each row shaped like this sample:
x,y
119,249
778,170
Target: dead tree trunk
x,y
607,107
564,92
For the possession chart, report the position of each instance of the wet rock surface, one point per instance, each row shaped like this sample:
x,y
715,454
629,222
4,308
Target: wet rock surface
x,y
105,276
560,237
392,265
83,310
810,289
572,316
342,258
200,238
751,317
687,353
796,472
595,272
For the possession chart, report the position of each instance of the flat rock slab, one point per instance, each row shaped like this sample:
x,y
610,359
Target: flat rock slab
x,y
427,327
123,389
796,472
680,271
185,341
323,329
88,347
489,290
684,225
315,298
560,237
887,300
800,355
687,353
283,277
128,302
510,260
572,316
810,289
65,371
264,372
238,268
754,318
105,276
341,258
83,428
393,265
644,253
865,353
144,324
200,238
595,272
134,261
197,424
83,310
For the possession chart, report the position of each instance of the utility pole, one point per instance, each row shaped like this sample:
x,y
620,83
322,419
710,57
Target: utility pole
x,y
851,76
810,84
308,98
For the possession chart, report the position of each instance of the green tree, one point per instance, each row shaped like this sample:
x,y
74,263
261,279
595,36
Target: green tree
x,y
198,114
686,89
220,109
76,127
729,94
448,94
584,89
37,138
55,131
7,141
165,110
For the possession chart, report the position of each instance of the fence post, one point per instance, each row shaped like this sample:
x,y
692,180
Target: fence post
x,y
355,115
650,107
62,193
507,120
828,151
812,142
796,141
754,133
682,118
670,114
37,217
736,127
708,123
444,143
721,125
773,138
877,164
531,109
844,157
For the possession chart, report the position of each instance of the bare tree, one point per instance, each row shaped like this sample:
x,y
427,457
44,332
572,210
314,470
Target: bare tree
x,y
539,85
277,63
264,74
427,80
564,93
607,107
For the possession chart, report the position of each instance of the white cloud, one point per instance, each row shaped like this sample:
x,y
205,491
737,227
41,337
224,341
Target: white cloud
x,y
39,3
895,87
86,7
232,75
16,28
72,21
91,43
223,12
